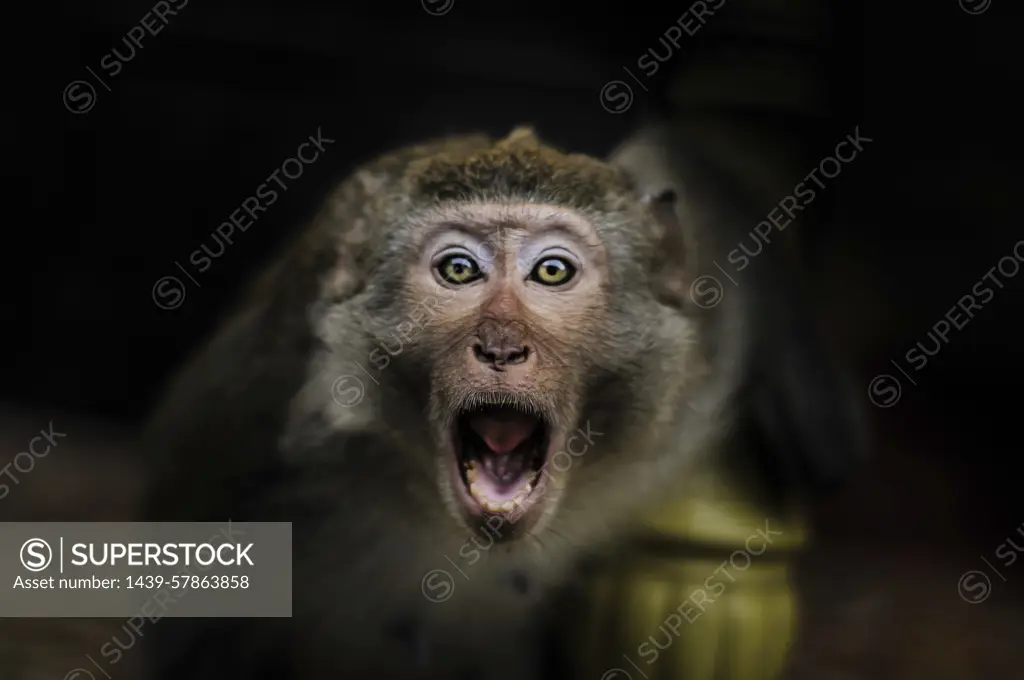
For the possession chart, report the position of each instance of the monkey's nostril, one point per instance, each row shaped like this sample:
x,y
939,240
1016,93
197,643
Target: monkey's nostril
x,y
500,356
517,356
482,355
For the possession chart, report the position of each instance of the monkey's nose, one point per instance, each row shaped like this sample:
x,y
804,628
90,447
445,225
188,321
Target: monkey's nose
x,y
500,355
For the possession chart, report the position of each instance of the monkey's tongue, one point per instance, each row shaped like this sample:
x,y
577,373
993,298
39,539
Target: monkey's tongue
x,y
503,432
504,470
497,493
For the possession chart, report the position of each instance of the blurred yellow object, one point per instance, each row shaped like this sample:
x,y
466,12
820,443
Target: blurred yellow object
x,y
704,595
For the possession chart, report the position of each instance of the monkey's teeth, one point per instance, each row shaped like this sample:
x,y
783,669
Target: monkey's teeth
x,y
477,491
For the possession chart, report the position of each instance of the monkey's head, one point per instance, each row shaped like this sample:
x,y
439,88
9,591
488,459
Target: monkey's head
x,y
532,306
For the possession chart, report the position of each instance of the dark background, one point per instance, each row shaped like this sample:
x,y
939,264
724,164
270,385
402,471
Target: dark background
x,y
104,203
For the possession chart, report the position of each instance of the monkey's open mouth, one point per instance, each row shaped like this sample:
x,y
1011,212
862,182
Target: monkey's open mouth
x,y
500,452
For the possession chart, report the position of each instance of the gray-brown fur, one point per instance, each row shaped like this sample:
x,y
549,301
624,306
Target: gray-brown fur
x,y
251,430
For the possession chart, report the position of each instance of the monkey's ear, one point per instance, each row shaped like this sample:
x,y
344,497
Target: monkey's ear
x,y
645,157
522,135
676,247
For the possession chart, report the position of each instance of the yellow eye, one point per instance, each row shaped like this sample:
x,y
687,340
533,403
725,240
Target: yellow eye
x,y
458,269
554,271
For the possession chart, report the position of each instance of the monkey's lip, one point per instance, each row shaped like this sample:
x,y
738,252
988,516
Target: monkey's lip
x,y
500,452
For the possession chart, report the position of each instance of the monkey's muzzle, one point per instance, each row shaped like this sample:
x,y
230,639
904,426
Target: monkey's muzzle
x,y
500,452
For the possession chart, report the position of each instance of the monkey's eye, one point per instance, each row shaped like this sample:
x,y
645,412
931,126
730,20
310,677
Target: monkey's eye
x,y
553,271
458,269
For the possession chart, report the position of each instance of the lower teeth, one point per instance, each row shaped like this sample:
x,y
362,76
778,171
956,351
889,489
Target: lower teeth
x,y
490,505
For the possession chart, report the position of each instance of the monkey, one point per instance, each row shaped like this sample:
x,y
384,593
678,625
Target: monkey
x,y
444,378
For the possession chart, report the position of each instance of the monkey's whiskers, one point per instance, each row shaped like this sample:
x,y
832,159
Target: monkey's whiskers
x,y
501,451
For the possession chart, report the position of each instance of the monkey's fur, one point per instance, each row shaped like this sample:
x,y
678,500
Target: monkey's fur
x,y
268,422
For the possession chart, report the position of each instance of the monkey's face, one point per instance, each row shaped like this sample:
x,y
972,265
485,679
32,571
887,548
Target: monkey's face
x,y
513,294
